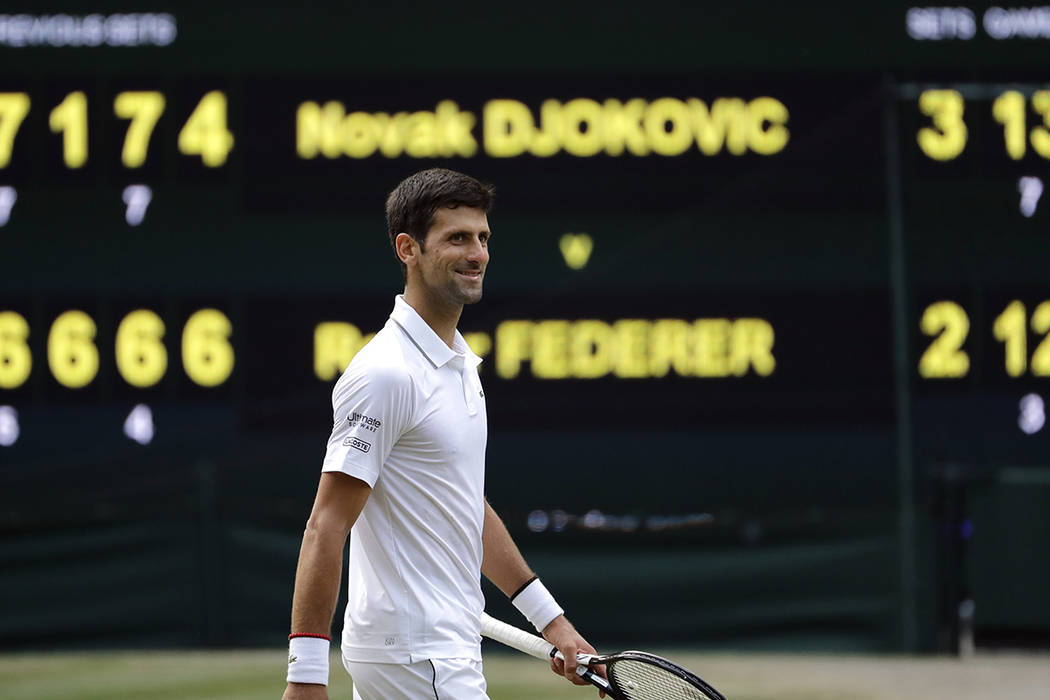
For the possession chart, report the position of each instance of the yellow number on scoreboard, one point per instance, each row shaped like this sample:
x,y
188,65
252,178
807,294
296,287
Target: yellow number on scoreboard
x,y
16,361
1009,328
1009,110
1041,134
205,133
1041,325
948,137
71,353
70,118
143,109
141,358
14,106
944,358
207,355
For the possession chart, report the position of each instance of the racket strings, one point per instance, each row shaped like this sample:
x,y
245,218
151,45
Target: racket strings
x,y
639,680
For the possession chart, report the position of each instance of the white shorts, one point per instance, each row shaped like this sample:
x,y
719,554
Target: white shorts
x,y
435,679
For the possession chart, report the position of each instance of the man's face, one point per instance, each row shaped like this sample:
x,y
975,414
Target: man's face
x,y
455,253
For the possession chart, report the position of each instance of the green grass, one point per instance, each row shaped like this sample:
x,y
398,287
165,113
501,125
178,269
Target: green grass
x,y
255,675
225,675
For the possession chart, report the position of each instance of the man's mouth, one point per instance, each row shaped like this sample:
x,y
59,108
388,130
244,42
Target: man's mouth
x,y
470,274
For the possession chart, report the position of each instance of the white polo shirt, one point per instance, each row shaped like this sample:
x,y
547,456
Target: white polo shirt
x,y
410,421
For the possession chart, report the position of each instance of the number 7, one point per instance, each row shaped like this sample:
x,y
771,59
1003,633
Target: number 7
x,y
143,109
14,106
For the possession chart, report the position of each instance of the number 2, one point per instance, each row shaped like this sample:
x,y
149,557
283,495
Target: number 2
x,y
944,358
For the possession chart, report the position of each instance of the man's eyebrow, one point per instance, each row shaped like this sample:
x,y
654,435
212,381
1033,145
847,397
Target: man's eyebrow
x,y
483,232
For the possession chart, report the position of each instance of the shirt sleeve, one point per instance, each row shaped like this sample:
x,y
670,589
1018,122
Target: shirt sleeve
x,y
372,409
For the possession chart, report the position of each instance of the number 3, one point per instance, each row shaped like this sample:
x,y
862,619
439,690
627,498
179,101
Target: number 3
x,y
948,139
15,359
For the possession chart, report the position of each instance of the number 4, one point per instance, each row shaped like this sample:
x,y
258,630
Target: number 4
x,y
205,133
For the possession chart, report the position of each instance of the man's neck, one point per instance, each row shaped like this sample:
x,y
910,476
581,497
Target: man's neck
x,y
442,319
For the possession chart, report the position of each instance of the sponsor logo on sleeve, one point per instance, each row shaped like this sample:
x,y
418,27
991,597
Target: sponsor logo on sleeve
x,y
357,444
355,419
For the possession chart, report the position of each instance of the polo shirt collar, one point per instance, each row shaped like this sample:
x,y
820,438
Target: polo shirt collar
x,y
427,340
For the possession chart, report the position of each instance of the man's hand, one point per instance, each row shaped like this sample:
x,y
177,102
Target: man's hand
x,y
564,636
305,691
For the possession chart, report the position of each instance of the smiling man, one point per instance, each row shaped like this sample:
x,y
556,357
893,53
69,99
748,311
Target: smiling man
x,y
404,475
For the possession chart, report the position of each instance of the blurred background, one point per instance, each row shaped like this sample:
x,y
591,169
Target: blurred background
x,y
766,328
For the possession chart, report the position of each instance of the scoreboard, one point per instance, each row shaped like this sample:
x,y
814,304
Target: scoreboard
x,y
791,264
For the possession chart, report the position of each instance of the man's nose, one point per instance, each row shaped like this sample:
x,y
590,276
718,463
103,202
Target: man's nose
x,y
478,251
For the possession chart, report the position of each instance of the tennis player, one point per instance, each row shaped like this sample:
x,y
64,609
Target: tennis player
x,y
404,475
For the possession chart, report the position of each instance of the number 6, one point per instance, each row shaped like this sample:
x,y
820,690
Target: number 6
x,y
207,355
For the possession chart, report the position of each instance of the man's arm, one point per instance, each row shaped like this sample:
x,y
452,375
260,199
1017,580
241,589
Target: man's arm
x,y
340,499
504,565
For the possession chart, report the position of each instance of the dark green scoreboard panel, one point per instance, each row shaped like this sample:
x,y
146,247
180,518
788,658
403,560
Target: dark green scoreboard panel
x,y
760,292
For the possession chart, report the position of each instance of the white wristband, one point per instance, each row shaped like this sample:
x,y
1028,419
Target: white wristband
x,y
536,603
308,660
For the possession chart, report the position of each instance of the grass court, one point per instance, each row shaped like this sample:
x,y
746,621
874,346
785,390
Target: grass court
x,y
259,675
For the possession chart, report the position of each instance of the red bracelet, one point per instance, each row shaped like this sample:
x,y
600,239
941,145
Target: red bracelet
x,y
293,635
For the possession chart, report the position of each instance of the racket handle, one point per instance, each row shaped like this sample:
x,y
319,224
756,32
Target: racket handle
x,y
541,649
597,681
513,637
583,671
593,677
584,660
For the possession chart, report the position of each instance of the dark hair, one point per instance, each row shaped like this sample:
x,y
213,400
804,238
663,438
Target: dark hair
x,y
412,205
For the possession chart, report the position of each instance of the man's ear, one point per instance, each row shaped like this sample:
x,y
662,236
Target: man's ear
x,y
407,247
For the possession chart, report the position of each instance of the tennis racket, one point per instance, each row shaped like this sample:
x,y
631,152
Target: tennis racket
x,y
632,675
